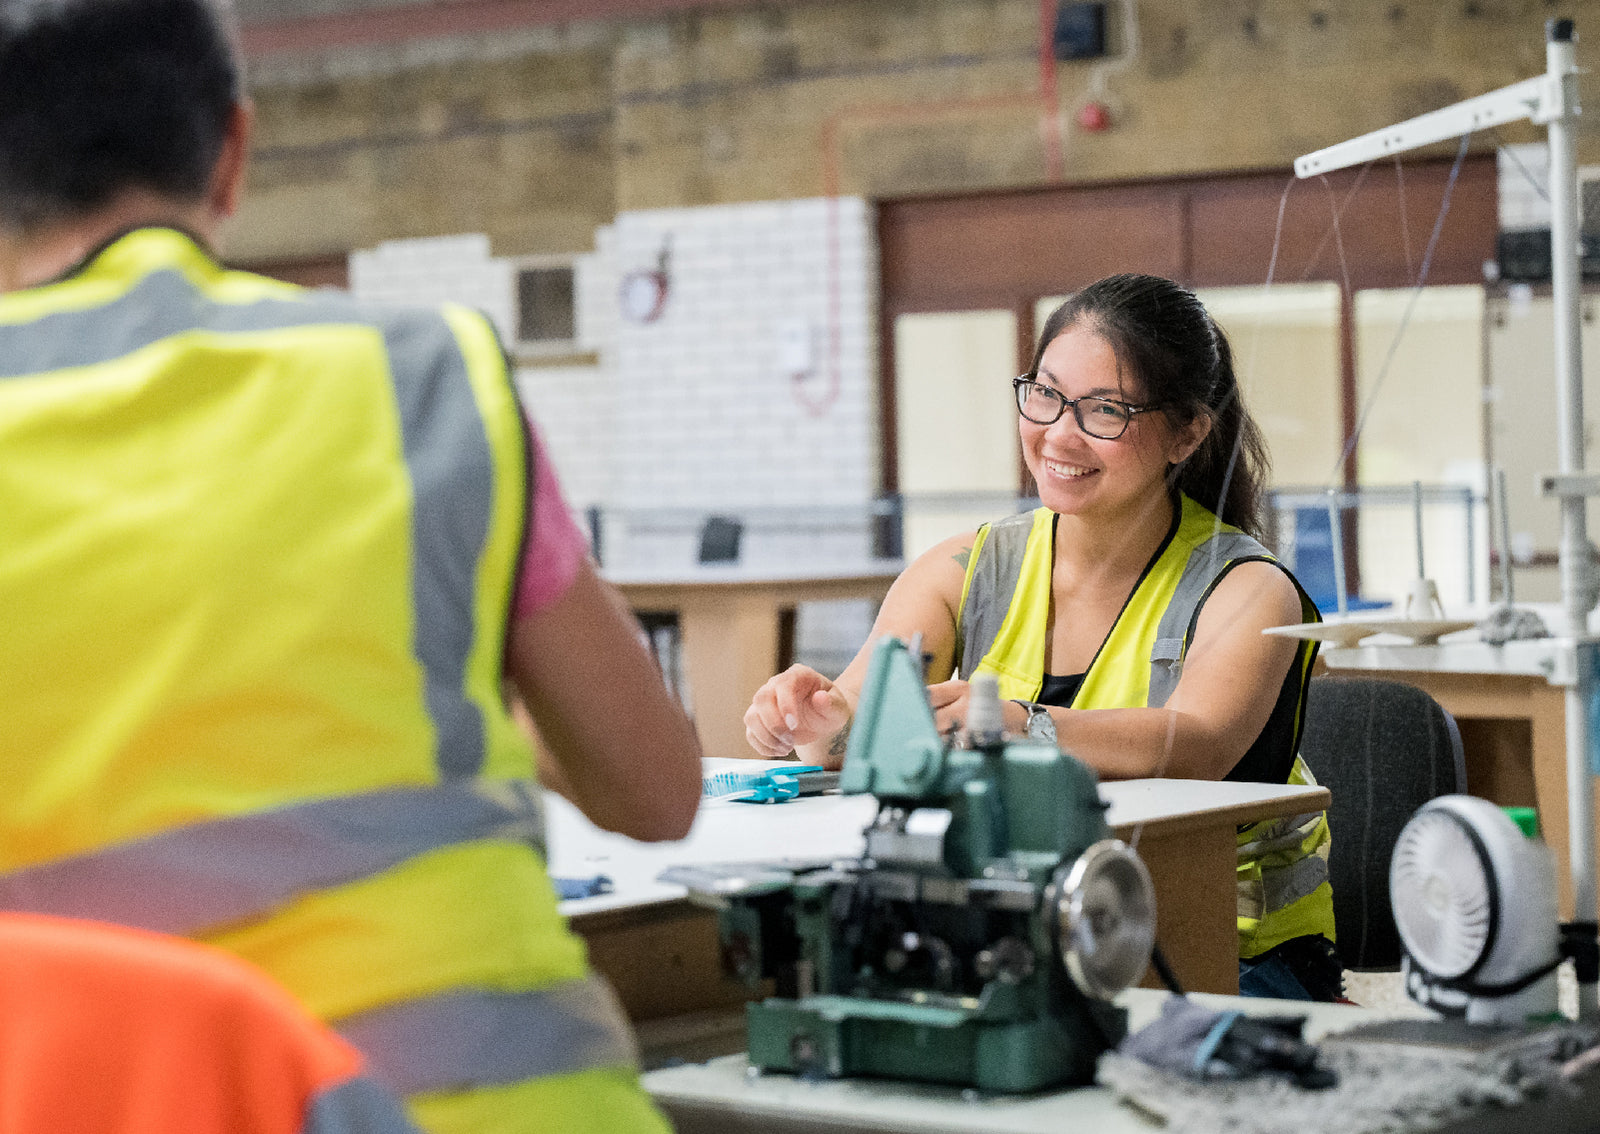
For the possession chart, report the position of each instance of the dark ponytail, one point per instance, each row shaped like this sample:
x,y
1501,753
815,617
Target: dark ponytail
x,y
1163,335
1227,472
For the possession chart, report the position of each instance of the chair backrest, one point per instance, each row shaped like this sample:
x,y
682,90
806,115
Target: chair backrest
x,y
1382,749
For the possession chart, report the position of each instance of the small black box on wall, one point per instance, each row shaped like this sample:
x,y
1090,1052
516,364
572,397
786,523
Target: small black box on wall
x,y
1080,31
1524,256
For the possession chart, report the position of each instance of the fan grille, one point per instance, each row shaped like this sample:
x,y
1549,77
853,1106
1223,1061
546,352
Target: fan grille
x,y
1440,886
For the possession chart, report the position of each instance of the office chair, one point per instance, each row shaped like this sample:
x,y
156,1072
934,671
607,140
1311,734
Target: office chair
x,y
1382,749
665,641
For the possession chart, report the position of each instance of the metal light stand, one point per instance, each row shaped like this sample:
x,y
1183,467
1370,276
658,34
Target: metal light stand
x,y
1550,100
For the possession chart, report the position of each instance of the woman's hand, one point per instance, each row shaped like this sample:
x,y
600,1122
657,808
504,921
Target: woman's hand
x,y
797,707
802,710
949,699
952,700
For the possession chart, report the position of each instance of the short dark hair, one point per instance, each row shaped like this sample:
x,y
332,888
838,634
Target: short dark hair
x,y
1163,336
101,96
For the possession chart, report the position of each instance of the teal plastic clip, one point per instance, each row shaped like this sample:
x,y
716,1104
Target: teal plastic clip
x,y
771,785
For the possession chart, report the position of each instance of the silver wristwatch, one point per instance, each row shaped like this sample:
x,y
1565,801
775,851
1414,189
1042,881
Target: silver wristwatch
x,y
1041,725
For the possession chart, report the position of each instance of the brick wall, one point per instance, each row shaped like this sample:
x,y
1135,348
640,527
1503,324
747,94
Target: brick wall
x,y
538,135
750,395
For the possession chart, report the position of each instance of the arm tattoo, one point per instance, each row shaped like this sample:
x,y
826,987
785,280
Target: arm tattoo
x,y
962,556
840,742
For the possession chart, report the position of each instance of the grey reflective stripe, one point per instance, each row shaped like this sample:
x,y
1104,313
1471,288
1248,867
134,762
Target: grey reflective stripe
x,y
1199,574
357,1106
994,583
473,1038
452,476
205,875
1278,835
1283,886
445,445
162,304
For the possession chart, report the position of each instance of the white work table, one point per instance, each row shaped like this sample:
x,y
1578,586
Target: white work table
x,y
661,951
1509,703
724,1095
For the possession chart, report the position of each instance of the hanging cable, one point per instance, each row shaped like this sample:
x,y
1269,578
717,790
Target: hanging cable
x,y
1405,224
1405,318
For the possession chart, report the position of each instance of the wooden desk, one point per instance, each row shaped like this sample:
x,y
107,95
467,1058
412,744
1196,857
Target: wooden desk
x,y
730,622
1184,831
1510,705
661,952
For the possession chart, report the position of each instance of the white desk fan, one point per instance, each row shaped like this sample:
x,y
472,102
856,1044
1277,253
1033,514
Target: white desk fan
x,y
1475,903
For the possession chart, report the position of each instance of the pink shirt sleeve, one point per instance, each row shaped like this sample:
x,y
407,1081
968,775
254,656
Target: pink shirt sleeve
x,y
555,547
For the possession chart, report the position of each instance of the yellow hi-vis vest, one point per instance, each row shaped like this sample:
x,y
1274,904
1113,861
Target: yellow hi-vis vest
x,y
259,546
1003,628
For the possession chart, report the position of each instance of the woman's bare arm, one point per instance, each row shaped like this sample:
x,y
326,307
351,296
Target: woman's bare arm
x,y
1232,676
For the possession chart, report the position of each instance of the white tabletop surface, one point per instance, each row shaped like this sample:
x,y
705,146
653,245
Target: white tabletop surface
x,y
819,828
1462,651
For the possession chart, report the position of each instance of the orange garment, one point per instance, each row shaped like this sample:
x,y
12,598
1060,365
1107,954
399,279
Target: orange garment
x,y
112,1030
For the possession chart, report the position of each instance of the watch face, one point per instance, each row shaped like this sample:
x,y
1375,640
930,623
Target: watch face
x,y
643,295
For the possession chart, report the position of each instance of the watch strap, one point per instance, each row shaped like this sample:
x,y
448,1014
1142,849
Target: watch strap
x,y
1041,725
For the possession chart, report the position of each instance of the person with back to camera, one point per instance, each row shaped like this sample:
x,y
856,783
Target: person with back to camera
x,y
1123,618
269,557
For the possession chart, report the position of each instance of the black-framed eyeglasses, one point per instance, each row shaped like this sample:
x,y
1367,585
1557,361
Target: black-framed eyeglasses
x,y
1105,418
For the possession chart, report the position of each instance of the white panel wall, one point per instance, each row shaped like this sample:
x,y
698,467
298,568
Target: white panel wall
x,y
1285,341
570,405
1424,422
437,269
753,393
956,417
568,402
1523,176
1521,402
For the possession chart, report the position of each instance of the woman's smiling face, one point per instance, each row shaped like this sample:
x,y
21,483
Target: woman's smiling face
x,y
1082,475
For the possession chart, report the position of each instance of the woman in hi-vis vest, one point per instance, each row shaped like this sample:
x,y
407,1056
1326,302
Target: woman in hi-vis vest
x,y
1124,617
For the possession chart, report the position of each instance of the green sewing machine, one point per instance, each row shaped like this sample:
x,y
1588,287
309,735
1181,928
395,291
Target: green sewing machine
x,y
979,939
